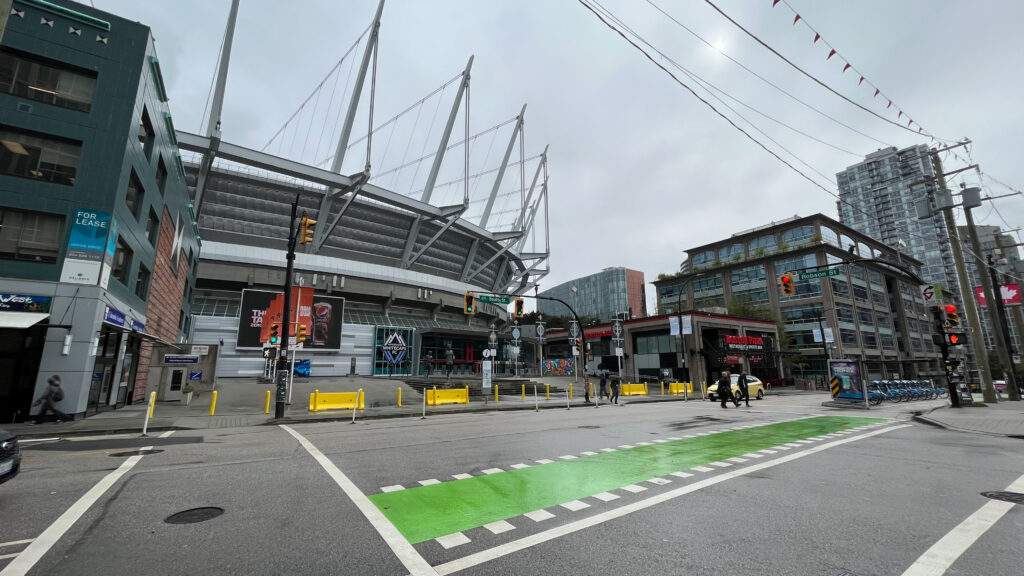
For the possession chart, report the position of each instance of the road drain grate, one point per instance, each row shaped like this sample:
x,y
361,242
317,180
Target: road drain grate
x,y
1011,497
194,515
135,453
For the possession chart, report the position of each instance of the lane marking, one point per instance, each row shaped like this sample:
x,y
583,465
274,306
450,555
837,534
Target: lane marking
x,y
452,540
430,482
394,488
634,488
499,527
682,474
606,496
643,443
626,446
544,461
492,471
16,542
539,515
674,438
766,451
483,556
31,440
575,505
589,453
567,457
737,460
937,559
520,466
6,556
42,543
406,554
609,450
753,455
461,476
660,441
720,464
702,469
166,434
660,481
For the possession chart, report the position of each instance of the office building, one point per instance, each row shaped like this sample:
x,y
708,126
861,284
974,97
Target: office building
x,y
609,293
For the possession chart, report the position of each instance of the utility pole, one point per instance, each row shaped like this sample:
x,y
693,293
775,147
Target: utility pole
x,y
1018,320
1003,330
282,361
972,199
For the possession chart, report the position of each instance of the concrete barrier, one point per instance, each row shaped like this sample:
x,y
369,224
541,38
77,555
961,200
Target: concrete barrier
x,y
676,388
631,389
437,397
319,401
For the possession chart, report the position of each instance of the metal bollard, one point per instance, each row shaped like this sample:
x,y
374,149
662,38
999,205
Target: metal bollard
x,y
536,400
399,396
424,416
547,394
266,407
213,403
149,413
355,405
570,390
524,392
495,394
662,388
316,399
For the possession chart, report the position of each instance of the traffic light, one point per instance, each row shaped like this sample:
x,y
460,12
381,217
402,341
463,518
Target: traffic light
x,y
519,307
300,333
786,284
470,307
275,333
306,229
955,339
952,317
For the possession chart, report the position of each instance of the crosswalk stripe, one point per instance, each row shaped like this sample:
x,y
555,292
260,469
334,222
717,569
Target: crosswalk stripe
x,y
492,470
544,461
609,450
681,474
461,476
721,464
567,457
606,496
575,505
519,466
702,469
453,540
499,527
634,488
660,481
430,482
394,488
589,453
539,515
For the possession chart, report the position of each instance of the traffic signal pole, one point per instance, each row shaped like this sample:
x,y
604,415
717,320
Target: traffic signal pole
x,y
988,390
281,376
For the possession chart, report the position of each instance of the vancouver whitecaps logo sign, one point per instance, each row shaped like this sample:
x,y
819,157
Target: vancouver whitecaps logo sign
x,y
395,348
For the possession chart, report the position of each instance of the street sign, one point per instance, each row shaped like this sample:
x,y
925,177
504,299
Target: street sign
x,y
494,299
180,359
540,330
486,369
617,329
487,353
516,333
819,274
618,351
574,329
200,350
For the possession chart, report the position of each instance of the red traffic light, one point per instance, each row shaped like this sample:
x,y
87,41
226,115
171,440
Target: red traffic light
x,y
955,339
950,309
786,279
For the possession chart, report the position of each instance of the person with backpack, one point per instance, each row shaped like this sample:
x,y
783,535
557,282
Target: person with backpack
x,y
744,389
54,393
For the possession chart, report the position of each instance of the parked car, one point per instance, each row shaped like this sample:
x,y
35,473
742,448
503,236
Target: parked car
x,y
754,386
10,456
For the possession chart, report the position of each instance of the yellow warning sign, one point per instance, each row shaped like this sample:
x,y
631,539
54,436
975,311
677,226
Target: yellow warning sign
x,y
835,386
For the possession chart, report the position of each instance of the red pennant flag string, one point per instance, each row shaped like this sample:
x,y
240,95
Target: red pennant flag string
x,y
909,123
847,67
817,37
831,54
889,106
774,2
861,81
900,115
797,19
876,93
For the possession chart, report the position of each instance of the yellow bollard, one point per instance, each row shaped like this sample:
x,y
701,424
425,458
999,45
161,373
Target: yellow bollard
x,y
312,402
524,392
399,396
434,403
495,394
266,408
645,388
662,388
547,394
213,403
570,391
152,403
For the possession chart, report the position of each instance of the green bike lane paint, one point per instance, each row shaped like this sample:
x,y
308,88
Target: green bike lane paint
x,y
436,510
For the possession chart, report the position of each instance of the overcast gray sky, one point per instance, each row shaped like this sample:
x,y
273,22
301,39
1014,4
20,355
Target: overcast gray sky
x,y
640,170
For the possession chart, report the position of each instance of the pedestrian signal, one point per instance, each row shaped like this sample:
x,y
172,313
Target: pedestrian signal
x,y
955,339
786,284
470,303
275,332
306,229
519,307
952,316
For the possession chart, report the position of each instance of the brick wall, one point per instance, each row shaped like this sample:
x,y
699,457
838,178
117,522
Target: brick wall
x,y
637,292
163,306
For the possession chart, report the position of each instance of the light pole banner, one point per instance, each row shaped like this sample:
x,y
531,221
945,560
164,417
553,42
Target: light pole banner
x,y
673,326
687,322
1010,293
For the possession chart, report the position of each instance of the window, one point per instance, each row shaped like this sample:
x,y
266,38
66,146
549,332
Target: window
x,y
730,252
845,314
870,339
849,337
840,289
41,80
38,156
763,245
133,197
161,176
802,314
804,288
702,258
798,235
142,282
122,261
866,319
147,137
152,227
829,236
31,236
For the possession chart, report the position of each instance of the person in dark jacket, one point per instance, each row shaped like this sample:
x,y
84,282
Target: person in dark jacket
x,y
615,390
603,392
725,390
744,389
54,393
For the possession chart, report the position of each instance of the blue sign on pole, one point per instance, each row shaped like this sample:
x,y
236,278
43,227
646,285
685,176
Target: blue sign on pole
x,y
113,316
87,243
180,359
194,375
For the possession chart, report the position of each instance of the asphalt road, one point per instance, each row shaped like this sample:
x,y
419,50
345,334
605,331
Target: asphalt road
x,y
781,488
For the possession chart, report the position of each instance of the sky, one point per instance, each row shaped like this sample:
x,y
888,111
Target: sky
x,y
639,169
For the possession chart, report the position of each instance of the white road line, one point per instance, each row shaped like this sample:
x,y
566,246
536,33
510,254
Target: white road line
x,y
643,443
16,542
589,453
519,466
626,446
937,559
6,556
575,505
767,451
634,488
452,540
753,455
394,488
462,476
430,482
567,457
660,441
609,450
721,464
737,460
804,442
166,434
681,474
483,556
499,527
783,447
31,440
42,543
539,515
660,481
405,552
545,461
674,438
702,469
492,470
606,496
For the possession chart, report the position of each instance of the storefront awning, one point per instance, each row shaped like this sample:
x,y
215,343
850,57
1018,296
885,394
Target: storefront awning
x,y
21,320
155,338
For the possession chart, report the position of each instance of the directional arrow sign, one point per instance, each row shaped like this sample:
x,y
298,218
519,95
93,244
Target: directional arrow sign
x,y
494,299
819,274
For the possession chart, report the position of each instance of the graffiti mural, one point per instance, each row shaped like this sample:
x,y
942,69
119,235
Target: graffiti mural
x,y
559,367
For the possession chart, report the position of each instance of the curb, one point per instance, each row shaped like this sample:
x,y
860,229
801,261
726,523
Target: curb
x,y
104,432
924,419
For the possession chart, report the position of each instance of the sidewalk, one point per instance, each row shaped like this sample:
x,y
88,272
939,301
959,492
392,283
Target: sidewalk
x,y
241,402
1002,419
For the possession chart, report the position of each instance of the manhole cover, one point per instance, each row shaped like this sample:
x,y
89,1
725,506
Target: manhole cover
x,y
588,427
1011,497
194,515
135,453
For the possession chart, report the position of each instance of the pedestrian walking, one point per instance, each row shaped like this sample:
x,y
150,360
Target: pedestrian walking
x,y
725,389
54,393
586,389
449,361
604,386
744,389
615,390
